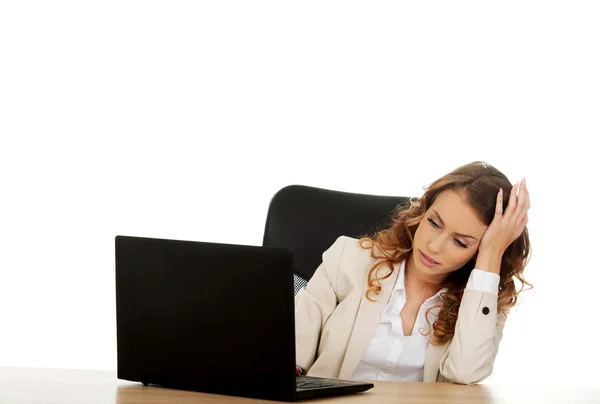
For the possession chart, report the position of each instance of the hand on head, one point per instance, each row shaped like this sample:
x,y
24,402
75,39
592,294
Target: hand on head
x,y
507,226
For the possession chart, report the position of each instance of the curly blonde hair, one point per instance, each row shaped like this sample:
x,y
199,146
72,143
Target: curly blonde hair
x,y
479,182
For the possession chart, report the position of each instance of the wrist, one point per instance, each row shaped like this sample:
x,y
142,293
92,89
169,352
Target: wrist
x,y
489,261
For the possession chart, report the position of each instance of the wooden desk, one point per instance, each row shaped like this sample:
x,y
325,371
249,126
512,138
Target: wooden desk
x,y
28,386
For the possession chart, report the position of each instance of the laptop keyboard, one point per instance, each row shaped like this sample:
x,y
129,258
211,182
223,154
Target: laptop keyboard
x,y
313,384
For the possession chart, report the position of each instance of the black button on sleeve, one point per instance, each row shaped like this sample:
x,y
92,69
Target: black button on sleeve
x,y
485,310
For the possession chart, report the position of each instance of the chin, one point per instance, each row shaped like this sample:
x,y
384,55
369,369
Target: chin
x,y
425,270
432,271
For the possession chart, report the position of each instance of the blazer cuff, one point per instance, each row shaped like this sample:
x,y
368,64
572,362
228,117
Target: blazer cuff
x,y
483,281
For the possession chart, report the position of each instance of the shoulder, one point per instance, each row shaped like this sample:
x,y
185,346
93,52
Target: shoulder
x,y
345,245
349,256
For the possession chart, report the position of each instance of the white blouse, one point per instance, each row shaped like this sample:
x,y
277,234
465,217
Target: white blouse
x,y
393,356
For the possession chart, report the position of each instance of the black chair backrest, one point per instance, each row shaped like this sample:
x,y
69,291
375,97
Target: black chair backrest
x,y
309,220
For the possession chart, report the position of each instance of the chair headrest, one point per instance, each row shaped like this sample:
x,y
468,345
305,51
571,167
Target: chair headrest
x,y
309,220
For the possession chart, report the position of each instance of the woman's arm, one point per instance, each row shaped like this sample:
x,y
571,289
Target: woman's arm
x,y
470,356
315,303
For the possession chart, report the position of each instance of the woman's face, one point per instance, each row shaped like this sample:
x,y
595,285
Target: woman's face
x,y
449,234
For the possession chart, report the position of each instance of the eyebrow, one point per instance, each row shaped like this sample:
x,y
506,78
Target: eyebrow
x,y
457,234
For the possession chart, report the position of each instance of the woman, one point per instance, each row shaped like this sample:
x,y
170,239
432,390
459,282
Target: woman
x,y
426,299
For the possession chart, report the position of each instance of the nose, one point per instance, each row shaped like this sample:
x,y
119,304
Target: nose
x,y
436,244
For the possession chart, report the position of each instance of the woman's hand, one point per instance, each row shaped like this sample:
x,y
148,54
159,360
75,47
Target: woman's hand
x,y
506,226
298,370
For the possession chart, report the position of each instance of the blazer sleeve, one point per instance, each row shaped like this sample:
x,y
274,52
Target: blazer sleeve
x,y
470,356
315,303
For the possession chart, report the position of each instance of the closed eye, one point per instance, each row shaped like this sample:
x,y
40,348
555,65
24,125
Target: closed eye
x,y
437,226
460,244
434,224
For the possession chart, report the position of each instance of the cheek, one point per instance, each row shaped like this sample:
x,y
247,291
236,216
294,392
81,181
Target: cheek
x,y
421,232
462,257
458,258
417,235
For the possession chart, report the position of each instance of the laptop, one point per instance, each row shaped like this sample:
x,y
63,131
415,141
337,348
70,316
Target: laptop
x,y
210,317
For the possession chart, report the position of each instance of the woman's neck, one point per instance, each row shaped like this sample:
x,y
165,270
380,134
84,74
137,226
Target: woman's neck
x,y
424,285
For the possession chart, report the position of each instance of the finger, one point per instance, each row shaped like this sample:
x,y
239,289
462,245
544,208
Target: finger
x,y
518,228
499,200
520,200
527,193
523,202
512,202
522,225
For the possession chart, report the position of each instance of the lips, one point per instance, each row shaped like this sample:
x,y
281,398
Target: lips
x,y
428,259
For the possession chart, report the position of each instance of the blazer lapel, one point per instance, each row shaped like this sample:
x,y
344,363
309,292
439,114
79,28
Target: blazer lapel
x,y
367,320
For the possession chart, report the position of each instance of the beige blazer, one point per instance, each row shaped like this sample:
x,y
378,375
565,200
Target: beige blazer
x,y
335,322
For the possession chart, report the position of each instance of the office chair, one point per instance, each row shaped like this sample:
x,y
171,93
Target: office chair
x,y
309,220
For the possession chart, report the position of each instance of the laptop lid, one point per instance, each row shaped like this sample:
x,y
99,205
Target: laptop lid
x,y
209,317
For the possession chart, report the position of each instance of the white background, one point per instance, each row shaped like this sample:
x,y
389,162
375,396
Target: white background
x,y
181,119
